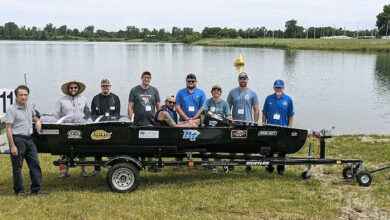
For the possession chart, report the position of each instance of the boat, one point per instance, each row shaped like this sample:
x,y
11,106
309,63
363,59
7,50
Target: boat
x,y
239,61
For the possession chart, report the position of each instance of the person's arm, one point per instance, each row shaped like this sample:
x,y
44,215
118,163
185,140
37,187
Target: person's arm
x,y
167,118
158,102
256,111
117,106
264,118
158,105
130,109
197,115
181,113
12,146
38,124
290,121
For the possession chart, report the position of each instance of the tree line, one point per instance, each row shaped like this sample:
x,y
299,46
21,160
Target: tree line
x,y
11,31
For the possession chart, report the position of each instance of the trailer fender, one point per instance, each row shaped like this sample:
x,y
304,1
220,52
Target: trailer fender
x,y
124,158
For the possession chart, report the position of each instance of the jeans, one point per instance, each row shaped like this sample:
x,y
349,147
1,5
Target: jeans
x,y
26,150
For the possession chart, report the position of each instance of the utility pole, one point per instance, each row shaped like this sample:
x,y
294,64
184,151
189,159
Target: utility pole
x,y
387,29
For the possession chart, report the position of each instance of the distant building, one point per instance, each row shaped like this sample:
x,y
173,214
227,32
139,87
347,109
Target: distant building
x,y
337,37
385,37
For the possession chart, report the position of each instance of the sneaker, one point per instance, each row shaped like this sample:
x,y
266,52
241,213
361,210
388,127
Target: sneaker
x,y
214,170
64,175
40,193
84,174
95,172
231,168
20,194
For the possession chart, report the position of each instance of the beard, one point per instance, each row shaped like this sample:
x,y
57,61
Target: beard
x,y
190,87
243,84
279,93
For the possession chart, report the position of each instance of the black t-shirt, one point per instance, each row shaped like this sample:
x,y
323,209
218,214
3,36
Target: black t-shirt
x,y
102,104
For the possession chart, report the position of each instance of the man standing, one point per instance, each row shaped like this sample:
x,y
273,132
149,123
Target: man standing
x,y
105,103
144,99
19,128
242,100
75,105
278,110
216,104
189,101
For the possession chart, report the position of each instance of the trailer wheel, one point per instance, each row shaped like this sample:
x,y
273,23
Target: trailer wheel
x,y
364,178
306,175
349,172
123,177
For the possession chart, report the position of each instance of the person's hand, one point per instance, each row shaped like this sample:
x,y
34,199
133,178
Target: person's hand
x,y
38,125
14,150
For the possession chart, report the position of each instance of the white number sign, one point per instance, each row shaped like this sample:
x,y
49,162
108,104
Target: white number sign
x,y
7,98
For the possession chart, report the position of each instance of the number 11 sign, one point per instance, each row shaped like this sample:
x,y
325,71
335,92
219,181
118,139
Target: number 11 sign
x,y
7,98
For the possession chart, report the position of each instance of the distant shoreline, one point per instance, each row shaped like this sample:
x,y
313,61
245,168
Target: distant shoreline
x,y
363,45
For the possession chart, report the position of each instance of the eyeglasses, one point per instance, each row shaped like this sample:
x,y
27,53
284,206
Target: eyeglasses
x,y
191,81
105,85
74,87
170,102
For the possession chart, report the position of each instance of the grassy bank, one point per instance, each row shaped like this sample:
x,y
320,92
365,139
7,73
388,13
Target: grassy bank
x,y
195,193
375,45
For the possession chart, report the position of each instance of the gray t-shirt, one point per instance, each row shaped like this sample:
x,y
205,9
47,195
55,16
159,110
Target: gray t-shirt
x,y
20,118
144,104
68,105
242,102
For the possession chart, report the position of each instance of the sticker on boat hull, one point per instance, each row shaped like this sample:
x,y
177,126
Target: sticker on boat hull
x,y
267,133
145,134
191,134
74,134
101,135
239,133
294,134
49,132
212,123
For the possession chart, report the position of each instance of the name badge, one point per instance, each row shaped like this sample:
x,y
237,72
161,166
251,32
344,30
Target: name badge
x,y
240,111
106,114
276,116
148,108
191,108
97,108
112,107
212,109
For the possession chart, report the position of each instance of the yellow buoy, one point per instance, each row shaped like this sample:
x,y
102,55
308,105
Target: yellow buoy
x,y
239,61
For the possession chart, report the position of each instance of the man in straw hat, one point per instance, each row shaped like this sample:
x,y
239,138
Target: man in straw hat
x,y
75,105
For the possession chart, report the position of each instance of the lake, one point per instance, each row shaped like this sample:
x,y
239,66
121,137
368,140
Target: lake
x,y
349,91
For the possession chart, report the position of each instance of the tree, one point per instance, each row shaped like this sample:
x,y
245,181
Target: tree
x,y
11,30
88,31
62,30
291,28
383,21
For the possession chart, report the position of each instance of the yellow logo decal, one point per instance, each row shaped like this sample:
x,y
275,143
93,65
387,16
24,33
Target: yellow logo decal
x,y
100,135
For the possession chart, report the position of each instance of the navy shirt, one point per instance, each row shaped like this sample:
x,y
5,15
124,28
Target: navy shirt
x,y
190,103
278,111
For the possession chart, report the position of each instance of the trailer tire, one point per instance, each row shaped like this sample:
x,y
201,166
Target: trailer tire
x,y
349,172
123,177
364,178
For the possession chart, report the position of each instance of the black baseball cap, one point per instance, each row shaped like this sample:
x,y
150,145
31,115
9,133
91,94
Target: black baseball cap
x,y
191,76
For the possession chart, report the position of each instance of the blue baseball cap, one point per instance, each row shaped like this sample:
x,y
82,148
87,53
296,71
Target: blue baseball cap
x,y
279,83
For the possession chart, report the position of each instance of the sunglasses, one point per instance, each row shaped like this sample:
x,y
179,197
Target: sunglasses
x,y
105,85
191,81
74,87
170,102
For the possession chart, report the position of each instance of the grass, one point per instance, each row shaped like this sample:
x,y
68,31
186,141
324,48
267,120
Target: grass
x,y
374,45
195,193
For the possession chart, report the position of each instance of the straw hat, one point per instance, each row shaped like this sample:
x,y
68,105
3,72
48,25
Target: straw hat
x,y
65,86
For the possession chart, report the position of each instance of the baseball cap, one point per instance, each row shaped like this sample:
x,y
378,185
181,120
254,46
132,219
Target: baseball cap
x,y
146,73
243,75
105,82
279,83
191,76
216,86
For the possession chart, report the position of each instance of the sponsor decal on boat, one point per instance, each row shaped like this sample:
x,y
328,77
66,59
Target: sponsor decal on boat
x,y
294,134
239,133
191,134
49,131
267,133
145,134
212,123
257,163
101,135
74,134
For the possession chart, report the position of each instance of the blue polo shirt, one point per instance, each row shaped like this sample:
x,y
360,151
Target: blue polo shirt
x,y
278,111
190,103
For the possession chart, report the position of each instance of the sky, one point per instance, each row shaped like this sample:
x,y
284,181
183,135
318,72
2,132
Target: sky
x,y
114,15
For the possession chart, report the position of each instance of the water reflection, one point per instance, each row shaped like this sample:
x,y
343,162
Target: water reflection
x,y
289,62
382,74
